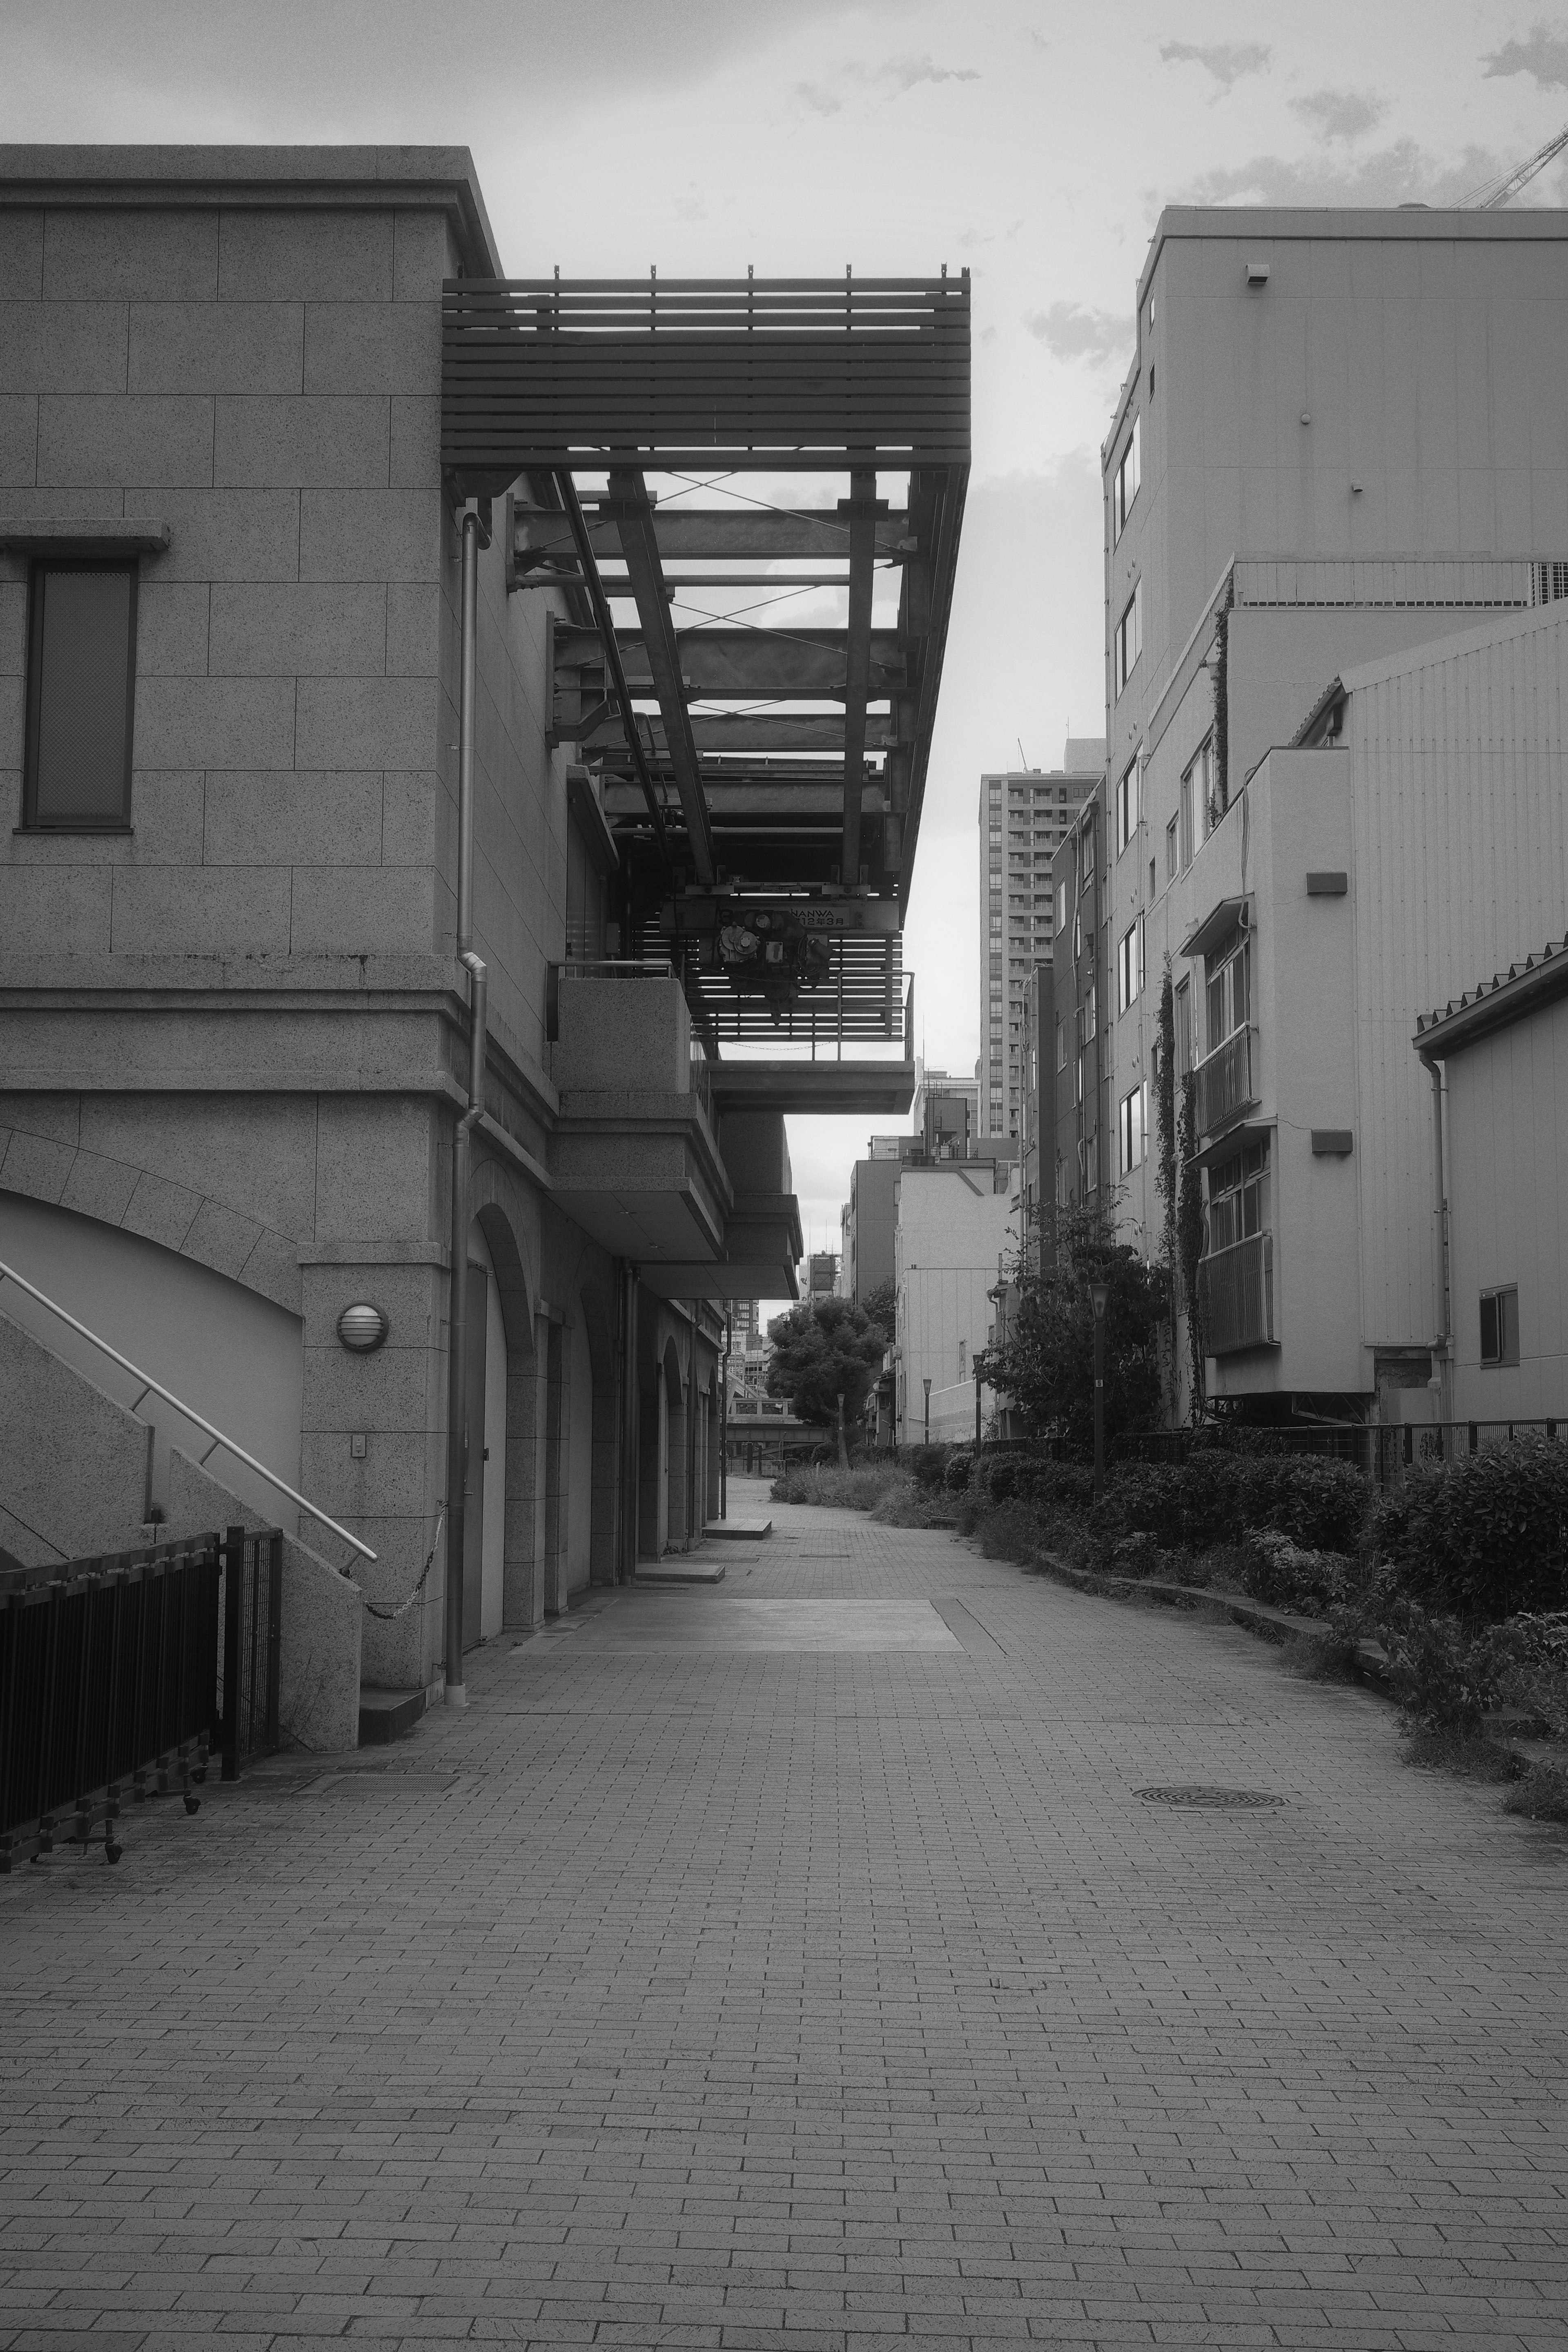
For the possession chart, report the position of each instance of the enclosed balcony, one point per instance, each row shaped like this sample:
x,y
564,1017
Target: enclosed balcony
x,y
1235,1296
1226,1083
646,1159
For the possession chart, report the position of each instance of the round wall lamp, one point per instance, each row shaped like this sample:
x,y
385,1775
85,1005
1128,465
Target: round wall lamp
x,y
363,1328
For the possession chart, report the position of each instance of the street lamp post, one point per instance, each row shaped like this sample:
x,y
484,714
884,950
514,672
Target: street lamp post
x,y
1099,1299
927,1386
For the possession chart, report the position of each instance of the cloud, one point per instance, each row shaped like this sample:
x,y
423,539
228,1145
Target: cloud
x,y
1543,56
1071,332
1226,60
1341,113
1400,174
884,82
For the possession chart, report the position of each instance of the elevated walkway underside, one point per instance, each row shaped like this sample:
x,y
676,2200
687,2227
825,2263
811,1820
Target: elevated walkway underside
x,y
748,494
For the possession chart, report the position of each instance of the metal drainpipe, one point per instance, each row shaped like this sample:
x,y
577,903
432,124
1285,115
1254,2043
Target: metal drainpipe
x,y
463,1128
724,1415
631,1472
1445,1368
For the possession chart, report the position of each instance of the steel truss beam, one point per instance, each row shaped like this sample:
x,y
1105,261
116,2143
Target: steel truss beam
x,y
810,784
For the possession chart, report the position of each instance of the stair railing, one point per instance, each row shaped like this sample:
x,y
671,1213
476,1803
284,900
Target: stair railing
x,y
149,1387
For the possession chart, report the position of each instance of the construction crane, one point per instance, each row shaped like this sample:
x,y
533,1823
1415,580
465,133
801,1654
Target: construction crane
x,y
1493,193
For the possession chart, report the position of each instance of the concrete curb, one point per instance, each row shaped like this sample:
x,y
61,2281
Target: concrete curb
x,y
1371,1659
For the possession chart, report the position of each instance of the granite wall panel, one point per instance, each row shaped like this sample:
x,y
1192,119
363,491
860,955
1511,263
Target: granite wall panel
x,y
303,629
118,255
196,346
305,257
298,441
158,440
212,910
214,722
63,347
280,817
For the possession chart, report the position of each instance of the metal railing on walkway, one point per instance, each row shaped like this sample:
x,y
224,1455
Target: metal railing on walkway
x,y
149,1387
120,1675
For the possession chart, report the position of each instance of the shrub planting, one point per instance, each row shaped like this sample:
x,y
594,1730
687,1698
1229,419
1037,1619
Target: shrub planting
x,y
1486,1538
858,1489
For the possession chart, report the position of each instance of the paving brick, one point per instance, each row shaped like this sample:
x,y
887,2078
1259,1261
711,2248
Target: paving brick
x,y
806,1997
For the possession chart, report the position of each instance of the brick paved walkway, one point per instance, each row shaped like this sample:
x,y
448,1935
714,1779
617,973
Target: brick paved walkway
x,y
691,1993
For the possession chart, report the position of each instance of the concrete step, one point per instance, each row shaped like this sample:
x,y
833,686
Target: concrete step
x,y
386,1714
680,1568
739,1530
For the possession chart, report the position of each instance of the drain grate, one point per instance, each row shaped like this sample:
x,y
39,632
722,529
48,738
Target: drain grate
x,y
1235,1800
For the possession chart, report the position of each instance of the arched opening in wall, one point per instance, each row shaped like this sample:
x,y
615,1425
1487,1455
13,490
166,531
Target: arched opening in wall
x,y
593,1522
484,1529
672,1479
579,1456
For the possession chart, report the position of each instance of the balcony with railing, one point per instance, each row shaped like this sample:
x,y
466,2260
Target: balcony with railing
x,y
1235,1296
1226,1082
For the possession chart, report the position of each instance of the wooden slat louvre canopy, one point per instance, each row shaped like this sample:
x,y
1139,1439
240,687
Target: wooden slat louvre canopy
x,y
546,373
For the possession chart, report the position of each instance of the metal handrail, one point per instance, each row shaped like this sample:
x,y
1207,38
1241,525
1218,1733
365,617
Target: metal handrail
x,y
155,1388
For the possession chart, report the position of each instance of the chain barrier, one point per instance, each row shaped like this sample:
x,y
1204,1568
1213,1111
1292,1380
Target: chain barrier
x,y
390,1616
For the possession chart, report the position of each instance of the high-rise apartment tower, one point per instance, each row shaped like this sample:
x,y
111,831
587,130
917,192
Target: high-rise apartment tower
x,y
1023,815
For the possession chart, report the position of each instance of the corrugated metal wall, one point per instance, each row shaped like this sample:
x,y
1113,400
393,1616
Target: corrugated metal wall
x,y
1461,868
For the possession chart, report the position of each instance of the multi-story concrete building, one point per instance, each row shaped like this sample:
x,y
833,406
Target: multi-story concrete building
x,y
1038,1120
1079,1048
1024,815
1417,833
1309,469
387,891
953,1244
946,1112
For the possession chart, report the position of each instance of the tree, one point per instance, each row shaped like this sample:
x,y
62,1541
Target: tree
x,y
822,1347
1046,1364
882,1306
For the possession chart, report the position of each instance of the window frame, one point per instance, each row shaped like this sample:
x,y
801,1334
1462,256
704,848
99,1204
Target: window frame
x,y
1123,497
38,571
1133,1142
1128,810
1499,1297
1128,645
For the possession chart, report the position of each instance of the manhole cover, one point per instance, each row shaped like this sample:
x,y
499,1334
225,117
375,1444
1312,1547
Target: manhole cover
x,y
1241,1800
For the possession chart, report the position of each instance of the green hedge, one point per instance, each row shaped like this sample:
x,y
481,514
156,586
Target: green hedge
x,y
1216,1497
1487,1537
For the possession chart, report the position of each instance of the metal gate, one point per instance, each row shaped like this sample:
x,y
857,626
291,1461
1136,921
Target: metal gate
x,y
119,1676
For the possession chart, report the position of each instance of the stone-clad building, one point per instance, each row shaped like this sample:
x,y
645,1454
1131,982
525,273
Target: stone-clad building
x,y
233,1031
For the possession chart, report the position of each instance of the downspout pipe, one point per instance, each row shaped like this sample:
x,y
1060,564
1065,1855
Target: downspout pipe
x,y
474,535
1446,1340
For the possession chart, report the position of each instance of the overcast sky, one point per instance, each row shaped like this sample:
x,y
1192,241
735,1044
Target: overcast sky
x,y
1034,143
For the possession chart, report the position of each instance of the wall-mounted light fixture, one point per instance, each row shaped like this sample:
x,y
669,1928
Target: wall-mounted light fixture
x,y
362,1328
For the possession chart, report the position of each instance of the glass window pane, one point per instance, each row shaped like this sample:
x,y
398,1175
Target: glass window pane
x,y
82,682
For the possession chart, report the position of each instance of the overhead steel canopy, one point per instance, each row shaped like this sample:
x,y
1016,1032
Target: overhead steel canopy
x,y
774,750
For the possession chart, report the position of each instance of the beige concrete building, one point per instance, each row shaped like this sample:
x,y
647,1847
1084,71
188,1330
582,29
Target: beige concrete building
x,y
253,760
1416,833
952,1242
1341,439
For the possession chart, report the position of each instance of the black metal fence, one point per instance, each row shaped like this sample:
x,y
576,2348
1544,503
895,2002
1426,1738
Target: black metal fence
x,y
120,1676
